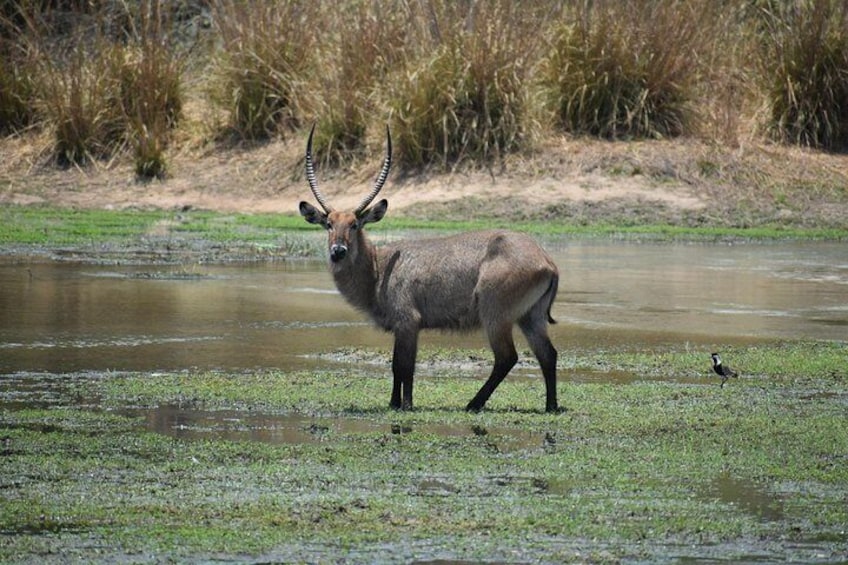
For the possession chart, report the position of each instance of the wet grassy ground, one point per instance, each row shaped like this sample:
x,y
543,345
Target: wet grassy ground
x,y
667,467
655,463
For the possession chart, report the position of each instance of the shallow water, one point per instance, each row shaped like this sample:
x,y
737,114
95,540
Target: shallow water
x,y
747,496
62,317
293,428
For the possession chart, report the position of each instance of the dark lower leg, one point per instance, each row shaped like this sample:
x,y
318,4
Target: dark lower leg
x,y
547,361
546,354
505,359
396,391
403,371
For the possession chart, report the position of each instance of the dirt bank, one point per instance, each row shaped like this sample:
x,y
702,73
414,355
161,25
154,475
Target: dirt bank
x,y
682,182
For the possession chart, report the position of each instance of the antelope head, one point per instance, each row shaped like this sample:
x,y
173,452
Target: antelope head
x,y
343,227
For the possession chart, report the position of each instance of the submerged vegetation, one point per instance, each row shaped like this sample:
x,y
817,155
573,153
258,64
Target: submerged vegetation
x,y
458,81
662,466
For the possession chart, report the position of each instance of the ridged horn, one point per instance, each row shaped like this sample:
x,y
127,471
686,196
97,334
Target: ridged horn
x,y
310,175
381,180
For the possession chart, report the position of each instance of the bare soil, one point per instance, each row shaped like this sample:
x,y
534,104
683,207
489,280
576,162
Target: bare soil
x,y
682,182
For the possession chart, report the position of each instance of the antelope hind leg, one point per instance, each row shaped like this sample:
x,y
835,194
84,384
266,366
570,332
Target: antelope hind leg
x,y
505,359
535,330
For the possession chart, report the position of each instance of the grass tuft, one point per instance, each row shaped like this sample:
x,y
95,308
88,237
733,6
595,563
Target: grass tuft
x,y
457,81
101,93
80,102
267,49
17,86
465,97
624,70
807,64
354,68
150,87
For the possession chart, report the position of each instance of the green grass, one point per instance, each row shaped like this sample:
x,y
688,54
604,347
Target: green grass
x,y
628,472
55,226
46,226
290,235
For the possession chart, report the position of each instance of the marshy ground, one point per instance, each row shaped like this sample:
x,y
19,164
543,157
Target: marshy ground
x,y
310,466
651,461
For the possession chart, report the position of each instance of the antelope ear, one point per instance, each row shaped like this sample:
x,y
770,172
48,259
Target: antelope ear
x,y
312,215
375,213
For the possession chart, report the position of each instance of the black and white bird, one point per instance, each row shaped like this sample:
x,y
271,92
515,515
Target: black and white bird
x,y
723,371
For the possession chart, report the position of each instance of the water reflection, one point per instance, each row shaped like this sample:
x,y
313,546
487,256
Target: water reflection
x,y
185,422
726,292
747,496
62,317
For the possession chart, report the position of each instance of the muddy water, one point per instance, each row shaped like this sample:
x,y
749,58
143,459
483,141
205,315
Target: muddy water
x,y
62,317
236,425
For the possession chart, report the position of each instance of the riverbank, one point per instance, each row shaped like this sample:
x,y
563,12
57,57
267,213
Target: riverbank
x,y
566,181
156,236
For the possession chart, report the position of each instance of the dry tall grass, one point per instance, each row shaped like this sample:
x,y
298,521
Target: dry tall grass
x,y
457,81
464,89
358,51
806,57
627,69
265,52
104,81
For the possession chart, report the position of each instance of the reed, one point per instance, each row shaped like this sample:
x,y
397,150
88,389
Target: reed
x,y
620,70
805,49
267,48
363,47
17,86
111,82
458,82
80,101
463,95
151,92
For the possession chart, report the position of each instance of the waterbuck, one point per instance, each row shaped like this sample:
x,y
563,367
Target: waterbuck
x,y
492,279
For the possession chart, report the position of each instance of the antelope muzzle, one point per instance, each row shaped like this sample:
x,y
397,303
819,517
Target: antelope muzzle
x,y
338,251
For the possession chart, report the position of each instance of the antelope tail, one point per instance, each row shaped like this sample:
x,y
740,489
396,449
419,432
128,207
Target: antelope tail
x,y
551,294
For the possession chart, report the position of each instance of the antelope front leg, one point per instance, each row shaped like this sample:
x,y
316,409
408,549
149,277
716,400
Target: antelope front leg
x,y
403,369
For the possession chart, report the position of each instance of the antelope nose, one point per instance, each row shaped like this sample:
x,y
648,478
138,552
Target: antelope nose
x,y
337,252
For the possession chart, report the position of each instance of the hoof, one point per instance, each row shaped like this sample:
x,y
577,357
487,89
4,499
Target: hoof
x,y
403,407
